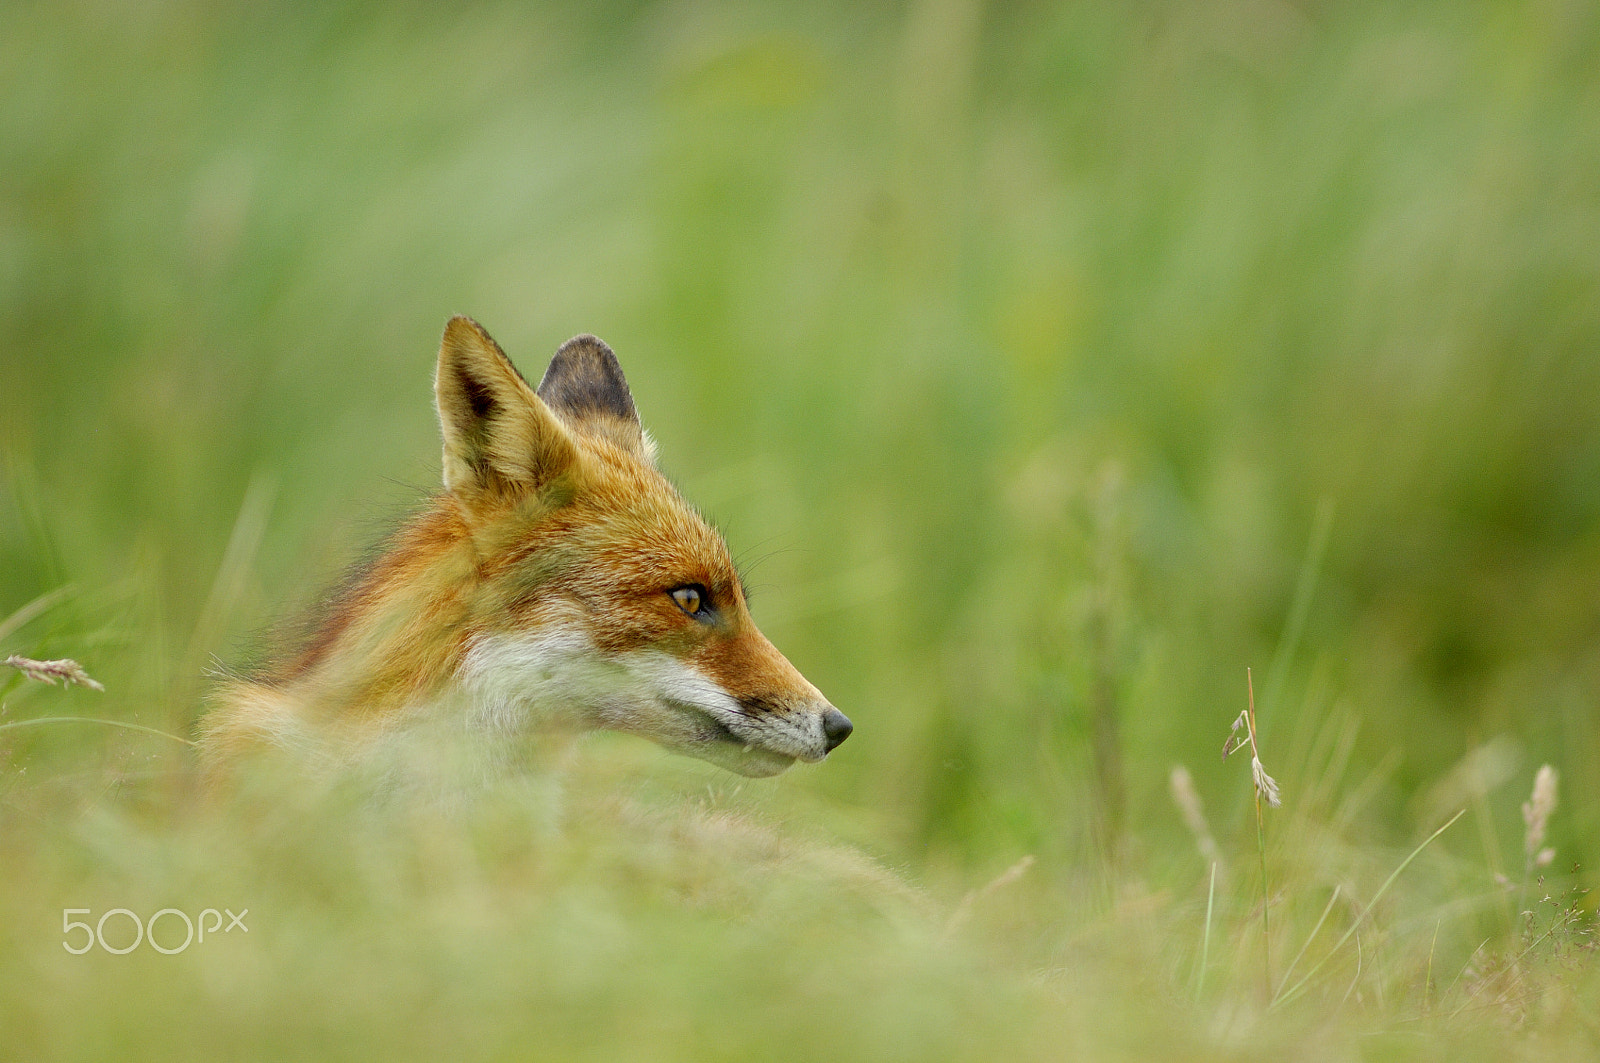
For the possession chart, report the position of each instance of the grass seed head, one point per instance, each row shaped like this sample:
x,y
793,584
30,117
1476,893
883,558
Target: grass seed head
x,y
68,671
1187,798
1265,784
1536,815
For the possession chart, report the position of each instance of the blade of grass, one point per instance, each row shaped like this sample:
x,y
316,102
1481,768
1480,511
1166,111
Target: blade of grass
x,y
1427,984
1205,938
1285,997
1305,589
231,579
33,609
1309,939
92,719
1355,979
1464,969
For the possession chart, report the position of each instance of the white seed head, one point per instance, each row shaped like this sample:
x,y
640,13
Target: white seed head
x,y
68,671
1537,809
1187,799
1266,785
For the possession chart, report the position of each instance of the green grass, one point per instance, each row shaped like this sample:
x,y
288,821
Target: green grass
x,y
1047,366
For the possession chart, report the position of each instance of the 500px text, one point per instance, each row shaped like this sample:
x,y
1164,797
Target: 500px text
x,y
145,931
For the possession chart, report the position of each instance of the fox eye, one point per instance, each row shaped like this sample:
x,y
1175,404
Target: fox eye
x,y
691,599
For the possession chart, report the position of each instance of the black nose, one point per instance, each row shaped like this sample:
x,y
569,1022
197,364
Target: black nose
x,y
836,727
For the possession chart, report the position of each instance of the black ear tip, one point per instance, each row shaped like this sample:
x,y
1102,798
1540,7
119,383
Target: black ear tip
x,y
585,378
586,344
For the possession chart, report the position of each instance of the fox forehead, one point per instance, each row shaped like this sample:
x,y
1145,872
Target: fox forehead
x,y
624,532
654,548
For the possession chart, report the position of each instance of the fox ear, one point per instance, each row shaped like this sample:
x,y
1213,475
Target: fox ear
x,y
500,440
585,385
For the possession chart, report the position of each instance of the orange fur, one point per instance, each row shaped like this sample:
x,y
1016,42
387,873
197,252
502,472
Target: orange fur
x,y
536,592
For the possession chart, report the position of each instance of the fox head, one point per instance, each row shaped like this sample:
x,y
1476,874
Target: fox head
x,y
594,595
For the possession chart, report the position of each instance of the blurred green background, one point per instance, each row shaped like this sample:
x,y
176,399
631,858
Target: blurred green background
x,y
1047,365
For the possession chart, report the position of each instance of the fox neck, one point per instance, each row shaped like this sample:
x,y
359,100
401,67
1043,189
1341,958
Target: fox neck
x,y
400,632
411,633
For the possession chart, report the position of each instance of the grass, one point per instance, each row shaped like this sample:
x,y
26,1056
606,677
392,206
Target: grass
x,y
1046,365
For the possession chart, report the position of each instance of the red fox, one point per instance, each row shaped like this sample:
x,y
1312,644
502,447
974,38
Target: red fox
x,y
557,583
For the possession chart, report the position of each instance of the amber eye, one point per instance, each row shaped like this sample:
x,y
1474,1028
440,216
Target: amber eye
x,y
690,599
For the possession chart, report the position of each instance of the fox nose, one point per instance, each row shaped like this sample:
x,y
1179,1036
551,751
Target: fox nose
x,y
836,727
